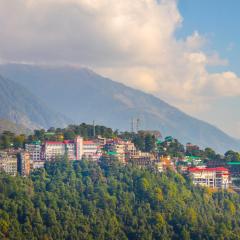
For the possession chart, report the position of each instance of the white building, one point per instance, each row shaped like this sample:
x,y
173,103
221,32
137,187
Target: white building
x,y
117,148
73,149
91,150
35,150
8,163
37,164
210,177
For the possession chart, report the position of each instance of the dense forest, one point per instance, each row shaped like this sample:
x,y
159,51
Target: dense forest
x,y
85,200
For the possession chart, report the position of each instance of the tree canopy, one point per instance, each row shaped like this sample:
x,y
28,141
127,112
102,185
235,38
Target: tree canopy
x,y
84,200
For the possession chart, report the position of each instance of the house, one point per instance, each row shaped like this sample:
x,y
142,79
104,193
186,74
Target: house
x,y
218,177
23,163
8,163
35,150
116,148
91,150
72,149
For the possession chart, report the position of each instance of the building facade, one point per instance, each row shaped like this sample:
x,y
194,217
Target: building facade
x,y
23,163
35,151
91,150
8,163
72,149
210,177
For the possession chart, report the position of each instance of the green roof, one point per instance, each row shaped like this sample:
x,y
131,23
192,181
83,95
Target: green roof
x,y
193,157
233,163
111,153
36,142
49,133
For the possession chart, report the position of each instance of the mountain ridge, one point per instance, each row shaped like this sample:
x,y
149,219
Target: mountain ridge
x,y
20,106
6,125
84,96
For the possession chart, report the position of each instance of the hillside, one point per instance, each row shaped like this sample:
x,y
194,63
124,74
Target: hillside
x,y
87,201
6,125
20,106
84,96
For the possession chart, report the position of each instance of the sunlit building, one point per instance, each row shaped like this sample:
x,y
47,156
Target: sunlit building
x,y
210,177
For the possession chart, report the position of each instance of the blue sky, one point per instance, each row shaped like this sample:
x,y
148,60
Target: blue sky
x,y
218,20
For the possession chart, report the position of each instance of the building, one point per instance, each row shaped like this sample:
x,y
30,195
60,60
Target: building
x,y
72,149
192,147
116,148
143,159
101,141
23,163
165,163
130,150
35,151
210,177
8,163
91,150
37,164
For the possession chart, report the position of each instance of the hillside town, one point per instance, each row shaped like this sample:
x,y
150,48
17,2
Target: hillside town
x,y
212,174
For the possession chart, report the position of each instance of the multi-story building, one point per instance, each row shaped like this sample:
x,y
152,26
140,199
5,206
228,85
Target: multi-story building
x,y
164,163
72,149
37,164
117,149
91,150
35,151
143,159
130,150
101,141
8,163
210,177
23,163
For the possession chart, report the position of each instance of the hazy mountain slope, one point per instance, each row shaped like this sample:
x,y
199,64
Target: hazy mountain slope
x,y
6,125
20,106
83,95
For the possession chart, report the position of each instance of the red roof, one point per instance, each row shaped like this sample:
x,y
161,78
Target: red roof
x,y
52,142
88,142
68,141
217,169
58,143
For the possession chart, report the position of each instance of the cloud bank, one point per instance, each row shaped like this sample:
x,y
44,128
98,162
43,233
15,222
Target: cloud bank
x,y
131,41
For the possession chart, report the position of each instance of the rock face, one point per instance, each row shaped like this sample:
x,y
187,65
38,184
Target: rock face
x,y
6,125
84,96
20,106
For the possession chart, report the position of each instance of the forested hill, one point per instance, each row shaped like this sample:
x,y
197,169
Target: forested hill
x,y
83,200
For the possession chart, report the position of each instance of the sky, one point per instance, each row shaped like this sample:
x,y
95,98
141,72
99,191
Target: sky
x,y
185,52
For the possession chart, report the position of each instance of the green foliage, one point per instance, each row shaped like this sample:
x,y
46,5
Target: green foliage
x,y
232,156
84,200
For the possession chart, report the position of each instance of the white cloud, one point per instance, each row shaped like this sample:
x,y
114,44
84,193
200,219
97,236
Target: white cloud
x,y
132,41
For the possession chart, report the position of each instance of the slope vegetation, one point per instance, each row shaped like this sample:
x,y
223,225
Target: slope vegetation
x,y
86,201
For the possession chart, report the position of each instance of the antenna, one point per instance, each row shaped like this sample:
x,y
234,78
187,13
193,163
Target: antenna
x,y
132,125
94,131
138,125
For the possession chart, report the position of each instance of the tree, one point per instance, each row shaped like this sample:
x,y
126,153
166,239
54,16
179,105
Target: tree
x,y
232,156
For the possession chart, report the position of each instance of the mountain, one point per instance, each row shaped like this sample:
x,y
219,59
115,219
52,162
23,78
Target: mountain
x,y
84,96
6,125
20,106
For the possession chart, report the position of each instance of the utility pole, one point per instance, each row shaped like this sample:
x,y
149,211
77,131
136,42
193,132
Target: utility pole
x,y
132,125
138,125
94,132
